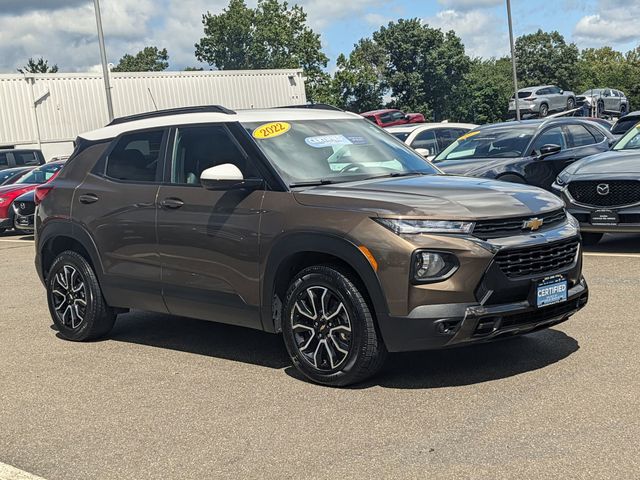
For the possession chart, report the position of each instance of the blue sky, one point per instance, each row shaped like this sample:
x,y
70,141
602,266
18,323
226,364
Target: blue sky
x,y
64,30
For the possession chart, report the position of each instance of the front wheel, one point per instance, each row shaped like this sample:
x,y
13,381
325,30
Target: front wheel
x,y
329,330
544,110
75,300
571,104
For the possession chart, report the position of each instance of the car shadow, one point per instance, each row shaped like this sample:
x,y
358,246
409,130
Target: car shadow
x,y
471,364
431,369
616,243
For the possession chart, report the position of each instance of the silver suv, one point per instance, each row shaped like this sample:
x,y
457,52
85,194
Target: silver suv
x,y
606,99
543,99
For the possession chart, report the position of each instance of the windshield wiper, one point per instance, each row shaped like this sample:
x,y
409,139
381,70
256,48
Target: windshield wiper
x,y
395,174
311,183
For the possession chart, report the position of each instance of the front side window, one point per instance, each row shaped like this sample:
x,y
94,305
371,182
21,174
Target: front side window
x,y
25,158
135,157
503,142
334,150
426,140
198,148
3,159
551,136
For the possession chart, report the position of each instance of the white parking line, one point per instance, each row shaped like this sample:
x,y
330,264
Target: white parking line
x,y
7,472
14,240
604,254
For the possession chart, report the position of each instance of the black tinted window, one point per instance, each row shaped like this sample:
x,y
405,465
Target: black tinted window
x,y
3,159
198,148
445,137
623,125
598,135
427,140
26,158
135,157
580,136
551,136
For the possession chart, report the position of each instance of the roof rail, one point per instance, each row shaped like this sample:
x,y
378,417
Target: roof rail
x,y
172,111
315,106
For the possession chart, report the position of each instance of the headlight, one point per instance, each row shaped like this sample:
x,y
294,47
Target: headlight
x,y
562,179
400,227
432,266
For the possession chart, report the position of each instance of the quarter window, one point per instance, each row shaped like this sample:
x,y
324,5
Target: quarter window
x,y
198,148
135,157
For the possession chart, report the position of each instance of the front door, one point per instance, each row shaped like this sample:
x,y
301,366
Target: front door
x,y
117,203
209,239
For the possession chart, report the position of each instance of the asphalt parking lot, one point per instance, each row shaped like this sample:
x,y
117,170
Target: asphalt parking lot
x,y
166,397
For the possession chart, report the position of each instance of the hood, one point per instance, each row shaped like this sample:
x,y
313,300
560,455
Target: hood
x,y
15,186
611,162
471,166
433,196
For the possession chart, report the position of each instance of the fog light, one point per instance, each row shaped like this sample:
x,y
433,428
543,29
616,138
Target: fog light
x,y
433,266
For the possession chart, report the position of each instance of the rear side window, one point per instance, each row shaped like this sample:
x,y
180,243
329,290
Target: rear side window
x,y
26,158
599,136
4,161
135,157
580,136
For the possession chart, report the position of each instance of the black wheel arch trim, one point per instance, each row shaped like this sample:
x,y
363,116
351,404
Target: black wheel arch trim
x,y
313,242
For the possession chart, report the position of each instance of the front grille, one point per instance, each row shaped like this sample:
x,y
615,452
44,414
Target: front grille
x,y
541,259
613,193
506,227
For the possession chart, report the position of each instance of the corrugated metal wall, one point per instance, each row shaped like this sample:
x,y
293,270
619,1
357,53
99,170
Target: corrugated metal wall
x,y
69,104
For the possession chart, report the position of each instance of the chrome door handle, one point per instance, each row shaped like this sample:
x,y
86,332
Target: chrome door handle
x,y
87,198
172,203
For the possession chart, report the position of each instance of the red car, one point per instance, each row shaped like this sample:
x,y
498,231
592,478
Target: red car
x,y
388,117
8,193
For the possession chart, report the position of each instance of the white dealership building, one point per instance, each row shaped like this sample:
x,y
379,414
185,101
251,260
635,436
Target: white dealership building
x,y
48,111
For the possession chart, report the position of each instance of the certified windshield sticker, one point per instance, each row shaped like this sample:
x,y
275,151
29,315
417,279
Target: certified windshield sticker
x,y
270,130
357,139
468,135
322,141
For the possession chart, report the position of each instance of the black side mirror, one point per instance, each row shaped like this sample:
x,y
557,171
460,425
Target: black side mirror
x,y
550,149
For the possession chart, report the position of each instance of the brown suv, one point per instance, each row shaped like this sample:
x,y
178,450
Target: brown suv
x,y
313,223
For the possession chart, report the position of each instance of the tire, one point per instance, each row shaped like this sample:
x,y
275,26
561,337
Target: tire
x,y
338,348
571,104
623,110
2,230
544,110
591,238
600,112
71,282
512,178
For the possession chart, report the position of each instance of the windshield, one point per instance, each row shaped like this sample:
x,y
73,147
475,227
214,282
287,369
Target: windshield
x,y
489,143
41,174
631,141
332,151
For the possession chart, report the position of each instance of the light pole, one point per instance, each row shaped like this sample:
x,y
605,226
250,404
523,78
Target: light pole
x,y
103,59
513,59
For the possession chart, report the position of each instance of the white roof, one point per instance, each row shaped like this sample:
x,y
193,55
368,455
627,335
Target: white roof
x,y
266,115
410,127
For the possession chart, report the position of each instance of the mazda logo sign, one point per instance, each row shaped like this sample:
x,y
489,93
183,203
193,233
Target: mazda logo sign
x,y
603,189
22,206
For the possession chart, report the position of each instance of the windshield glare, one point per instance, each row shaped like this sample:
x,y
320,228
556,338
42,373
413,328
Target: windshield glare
x,y
334,151
631,140
40,175
489,143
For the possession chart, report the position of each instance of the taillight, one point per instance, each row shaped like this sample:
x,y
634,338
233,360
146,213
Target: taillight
x,y
41,192
530,99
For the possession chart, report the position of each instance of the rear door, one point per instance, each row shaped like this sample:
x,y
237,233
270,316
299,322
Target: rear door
x,y
209,239
116,205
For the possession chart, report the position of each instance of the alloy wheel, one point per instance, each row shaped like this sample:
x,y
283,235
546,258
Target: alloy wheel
x,y
69,295
321,328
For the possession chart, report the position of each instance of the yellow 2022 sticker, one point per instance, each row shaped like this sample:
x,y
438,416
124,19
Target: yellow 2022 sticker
x,y
468,135
270,130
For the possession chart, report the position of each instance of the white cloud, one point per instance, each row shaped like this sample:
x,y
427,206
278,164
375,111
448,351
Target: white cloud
x,y
611,24
481,33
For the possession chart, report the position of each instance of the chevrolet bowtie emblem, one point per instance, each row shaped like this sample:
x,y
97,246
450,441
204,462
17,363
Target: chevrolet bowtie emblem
x,y
533,224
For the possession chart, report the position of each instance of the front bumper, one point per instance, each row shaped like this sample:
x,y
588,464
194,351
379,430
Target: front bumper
x,y
23,222
439,326
6,222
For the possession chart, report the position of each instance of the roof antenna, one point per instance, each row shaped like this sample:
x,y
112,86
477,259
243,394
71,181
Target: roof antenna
x,y
152,99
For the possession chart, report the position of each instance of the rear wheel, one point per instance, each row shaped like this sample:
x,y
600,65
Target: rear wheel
x,y
544,110
591,238
571,104
76,304
329,330
623,110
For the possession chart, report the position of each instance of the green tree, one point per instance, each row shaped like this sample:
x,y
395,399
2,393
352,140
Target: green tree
x,y
545,58
424,67
487,88
38,66
272,35
359,82
149,59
